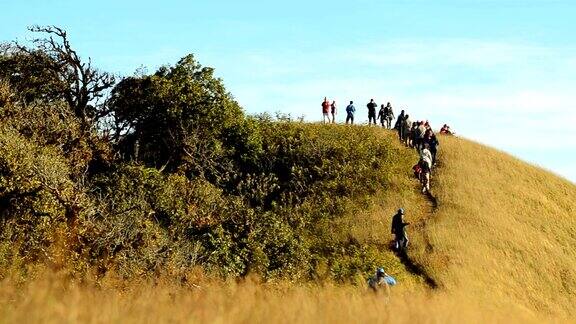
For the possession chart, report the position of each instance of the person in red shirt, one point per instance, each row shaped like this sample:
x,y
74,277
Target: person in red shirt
x,y
325,110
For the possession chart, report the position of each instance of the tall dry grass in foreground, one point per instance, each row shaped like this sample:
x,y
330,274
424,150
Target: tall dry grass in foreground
x,y
504,232
501,245
52,300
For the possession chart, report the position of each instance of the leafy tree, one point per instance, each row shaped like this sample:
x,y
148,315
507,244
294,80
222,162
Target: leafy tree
x,y
176,118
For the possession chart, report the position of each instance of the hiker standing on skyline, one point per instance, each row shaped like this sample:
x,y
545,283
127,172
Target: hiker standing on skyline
x,y
382,115
333,111
350,110
372,111
389,115
399,231
325,109
400,125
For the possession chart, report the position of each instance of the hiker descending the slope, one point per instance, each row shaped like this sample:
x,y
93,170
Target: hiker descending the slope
x,y
382,115
372,111
333,111
325,110
399,231
350,110
389,115
432,141
400,124
426,165
381,280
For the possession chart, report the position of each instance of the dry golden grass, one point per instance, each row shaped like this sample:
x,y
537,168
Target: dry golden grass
x,y
502,246
505,231
51,300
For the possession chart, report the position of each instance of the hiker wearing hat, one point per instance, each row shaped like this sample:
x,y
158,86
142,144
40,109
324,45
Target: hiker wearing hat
x,y
399,230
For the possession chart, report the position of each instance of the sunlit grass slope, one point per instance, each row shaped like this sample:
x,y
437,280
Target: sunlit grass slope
x,y
504,232
50,300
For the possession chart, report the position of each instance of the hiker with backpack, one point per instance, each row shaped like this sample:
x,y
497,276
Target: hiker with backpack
x,y
350,110
381,280
325,109
399,231
372,111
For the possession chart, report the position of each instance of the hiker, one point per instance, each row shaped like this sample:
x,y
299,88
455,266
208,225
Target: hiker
x,y
406,129
325,108
333,111
350,110
432,141
400,124
382,115
381,280
399,231
446,130
389,115
419,135
426,165
418,170
371,111
413,136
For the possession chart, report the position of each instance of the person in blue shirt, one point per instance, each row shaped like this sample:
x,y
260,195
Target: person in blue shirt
x,y
350,110
381,280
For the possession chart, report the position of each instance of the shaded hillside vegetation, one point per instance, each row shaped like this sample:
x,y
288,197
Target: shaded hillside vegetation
x,y
163,173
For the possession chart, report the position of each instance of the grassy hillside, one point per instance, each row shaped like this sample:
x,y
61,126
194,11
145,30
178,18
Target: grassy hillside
x,y
500,244
504,232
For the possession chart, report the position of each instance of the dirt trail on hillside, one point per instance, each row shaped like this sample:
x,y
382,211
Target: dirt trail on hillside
x,y
412,266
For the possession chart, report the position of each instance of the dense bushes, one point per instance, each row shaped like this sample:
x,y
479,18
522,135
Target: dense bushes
x,y
273,217
174,176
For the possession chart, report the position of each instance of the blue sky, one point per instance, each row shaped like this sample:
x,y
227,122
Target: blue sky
x,y
500,72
